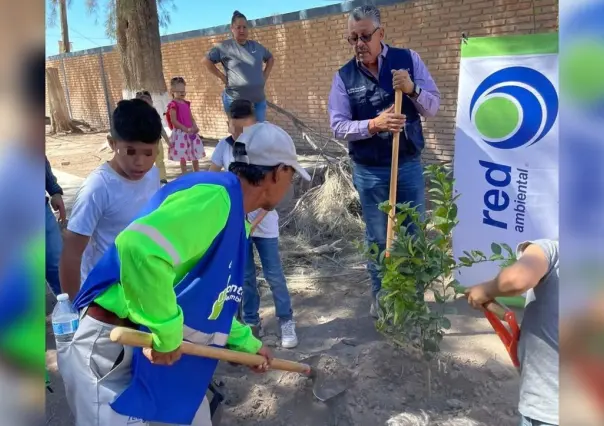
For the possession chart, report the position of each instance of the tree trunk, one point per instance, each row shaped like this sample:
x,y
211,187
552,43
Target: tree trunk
x,y
64,27
59,114
139,45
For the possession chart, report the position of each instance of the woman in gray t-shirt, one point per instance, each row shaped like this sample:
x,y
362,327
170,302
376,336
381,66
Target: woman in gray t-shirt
x,y
244,71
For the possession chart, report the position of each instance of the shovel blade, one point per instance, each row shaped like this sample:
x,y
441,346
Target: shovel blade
x,y
329,377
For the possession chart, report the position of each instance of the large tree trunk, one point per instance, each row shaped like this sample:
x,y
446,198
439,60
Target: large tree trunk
x,y
59,114
139,45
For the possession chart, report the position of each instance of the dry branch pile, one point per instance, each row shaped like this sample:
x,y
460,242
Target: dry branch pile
x,y
325,220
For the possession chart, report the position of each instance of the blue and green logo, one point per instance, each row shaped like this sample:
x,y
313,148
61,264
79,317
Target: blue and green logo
x,y
514,107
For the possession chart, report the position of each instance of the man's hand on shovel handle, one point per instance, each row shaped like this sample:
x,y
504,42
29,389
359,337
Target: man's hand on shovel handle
x,y
387,121
264,367
478,296
162,358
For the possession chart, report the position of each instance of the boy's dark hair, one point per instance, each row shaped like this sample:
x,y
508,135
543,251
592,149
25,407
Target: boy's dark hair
x,y
241,108
237,15
143,93
135,120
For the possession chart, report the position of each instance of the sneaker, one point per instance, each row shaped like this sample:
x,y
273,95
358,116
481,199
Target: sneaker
x,y
288,335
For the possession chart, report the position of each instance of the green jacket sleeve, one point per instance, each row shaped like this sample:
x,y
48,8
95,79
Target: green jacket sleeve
x,y
147,277
241,338
158,249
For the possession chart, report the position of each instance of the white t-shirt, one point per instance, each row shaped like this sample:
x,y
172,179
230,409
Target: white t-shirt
x,y
104,206
269,226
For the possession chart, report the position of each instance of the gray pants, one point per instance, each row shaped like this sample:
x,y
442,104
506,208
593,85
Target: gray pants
x,y
93,381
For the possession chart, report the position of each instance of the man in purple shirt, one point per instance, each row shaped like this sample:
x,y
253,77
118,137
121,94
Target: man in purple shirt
x,y
361,111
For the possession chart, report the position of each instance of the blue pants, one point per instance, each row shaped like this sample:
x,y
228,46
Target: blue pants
x,y
373,186
54,245
268,250
525,421
259,107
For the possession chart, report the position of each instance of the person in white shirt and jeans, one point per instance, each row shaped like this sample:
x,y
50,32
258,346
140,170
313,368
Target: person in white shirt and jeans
x,y
264,235
113,193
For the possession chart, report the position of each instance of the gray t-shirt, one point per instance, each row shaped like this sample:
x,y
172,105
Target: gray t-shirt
x,y
538,346
243,66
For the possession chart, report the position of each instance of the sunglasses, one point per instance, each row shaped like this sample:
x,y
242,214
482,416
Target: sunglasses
x,y
143,93
365,38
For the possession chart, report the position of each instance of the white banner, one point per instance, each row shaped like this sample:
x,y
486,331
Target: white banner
x,y
506,145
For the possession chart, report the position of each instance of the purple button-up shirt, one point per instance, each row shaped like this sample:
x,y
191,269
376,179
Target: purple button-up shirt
x,y
340,114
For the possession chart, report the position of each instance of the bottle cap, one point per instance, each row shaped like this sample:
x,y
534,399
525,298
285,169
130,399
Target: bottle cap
x,y
62,297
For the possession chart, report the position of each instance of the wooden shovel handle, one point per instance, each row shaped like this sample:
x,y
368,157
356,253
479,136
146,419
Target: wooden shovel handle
x,y
496,308
257,221
398,106
130,337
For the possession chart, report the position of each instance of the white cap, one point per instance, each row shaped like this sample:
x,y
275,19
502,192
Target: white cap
x,y
62,297
269,145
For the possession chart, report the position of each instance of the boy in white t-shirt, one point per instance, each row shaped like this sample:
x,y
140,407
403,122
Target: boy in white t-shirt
x,y
112,194
264,235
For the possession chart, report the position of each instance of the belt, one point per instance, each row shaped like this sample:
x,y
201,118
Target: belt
x,y
103,315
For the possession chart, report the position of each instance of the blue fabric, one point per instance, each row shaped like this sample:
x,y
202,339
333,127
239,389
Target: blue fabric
x,y
173,394
369,97
259,107
373,186
15,291
268,250
54,245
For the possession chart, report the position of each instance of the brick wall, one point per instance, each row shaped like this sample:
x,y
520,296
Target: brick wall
x,y
309,46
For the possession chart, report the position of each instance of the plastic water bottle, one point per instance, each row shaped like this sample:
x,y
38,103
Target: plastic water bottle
x,y
65,319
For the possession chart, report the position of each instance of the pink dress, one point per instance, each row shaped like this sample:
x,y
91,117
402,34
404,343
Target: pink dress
x,y
183,146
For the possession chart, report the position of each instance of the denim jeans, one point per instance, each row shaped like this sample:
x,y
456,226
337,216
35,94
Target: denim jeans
x,y
373,186
54,245
268,250
525,421
259,107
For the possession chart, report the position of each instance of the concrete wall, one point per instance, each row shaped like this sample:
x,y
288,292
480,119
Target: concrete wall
x,y
309,46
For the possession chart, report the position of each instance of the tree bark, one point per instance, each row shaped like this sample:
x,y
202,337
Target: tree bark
x,y
139,46
64,27
59,114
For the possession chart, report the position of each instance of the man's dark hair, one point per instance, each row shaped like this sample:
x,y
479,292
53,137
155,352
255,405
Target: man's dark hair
x,y
237,15
241,108
253,174
135,121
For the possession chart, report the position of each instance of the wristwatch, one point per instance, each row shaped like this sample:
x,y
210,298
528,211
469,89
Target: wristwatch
x,y
416,91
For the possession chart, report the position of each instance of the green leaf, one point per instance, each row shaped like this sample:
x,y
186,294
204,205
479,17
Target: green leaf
x,y
508,249
459,289
452,212
465,260
438,297
445,323
436,191
495,248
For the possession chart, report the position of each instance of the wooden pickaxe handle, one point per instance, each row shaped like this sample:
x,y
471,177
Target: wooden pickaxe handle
x,y
257,221
130,337
398,106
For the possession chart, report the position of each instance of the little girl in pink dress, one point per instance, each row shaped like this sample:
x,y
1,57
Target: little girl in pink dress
x,y
185,143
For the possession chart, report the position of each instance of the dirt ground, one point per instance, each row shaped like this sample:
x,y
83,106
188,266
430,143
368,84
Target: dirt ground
x,y
472,383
